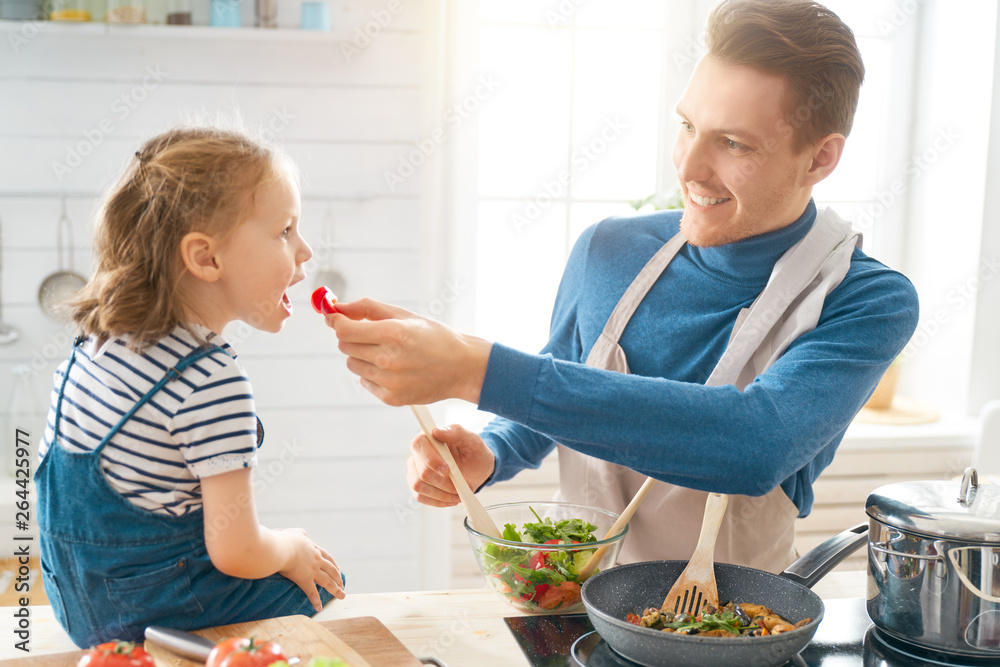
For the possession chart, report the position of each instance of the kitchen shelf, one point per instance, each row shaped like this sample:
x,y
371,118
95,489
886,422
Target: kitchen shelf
x,y
951,430
198,32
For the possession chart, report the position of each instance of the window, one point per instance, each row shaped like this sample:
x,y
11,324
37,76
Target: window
x,y
582,123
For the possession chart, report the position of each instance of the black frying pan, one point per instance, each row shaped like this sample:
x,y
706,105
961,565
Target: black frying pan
x,y
617,591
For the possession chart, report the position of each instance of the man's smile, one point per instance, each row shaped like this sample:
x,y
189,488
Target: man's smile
x,y
707,201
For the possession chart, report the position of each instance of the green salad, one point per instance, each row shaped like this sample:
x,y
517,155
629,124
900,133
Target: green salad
x,y
540,579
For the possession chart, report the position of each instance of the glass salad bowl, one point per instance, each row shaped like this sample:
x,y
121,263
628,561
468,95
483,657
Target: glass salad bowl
x,y
537,567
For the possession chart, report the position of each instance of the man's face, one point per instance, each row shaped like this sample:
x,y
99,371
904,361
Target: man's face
x,y
738,170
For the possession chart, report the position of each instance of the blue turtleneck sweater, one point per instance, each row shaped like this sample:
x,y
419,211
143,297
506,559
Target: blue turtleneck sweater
x,y
661,420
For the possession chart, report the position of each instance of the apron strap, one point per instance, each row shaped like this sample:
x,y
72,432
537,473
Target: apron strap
x,y
606,353
829,240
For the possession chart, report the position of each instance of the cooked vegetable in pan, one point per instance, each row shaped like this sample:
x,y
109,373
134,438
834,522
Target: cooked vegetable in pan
x,y
727,620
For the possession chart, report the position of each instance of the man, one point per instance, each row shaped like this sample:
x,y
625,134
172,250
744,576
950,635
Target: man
x,y
725,349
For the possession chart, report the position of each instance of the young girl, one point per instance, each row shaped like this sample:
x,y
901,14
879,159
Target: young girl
x,y
146,505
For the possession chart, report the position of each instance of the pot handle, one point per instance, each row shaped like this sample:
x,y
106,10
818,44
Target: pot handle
x,y
953,557
883,548
970,483
813,566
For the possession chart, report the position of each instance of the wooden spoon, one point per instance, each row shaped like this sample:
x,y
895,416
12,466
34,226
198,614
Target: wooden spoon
x,y
626,515
696,586
478,517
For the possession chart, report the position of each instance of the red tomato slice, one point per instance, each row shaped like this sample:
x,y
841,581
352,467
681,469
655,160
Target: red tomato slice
x,y
323,300
539,559
540,591
562,595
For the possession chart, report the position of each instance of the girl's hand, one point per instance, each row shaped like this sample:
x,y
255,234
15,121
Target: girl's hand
x,y
310,566
240,547
406,359
427,473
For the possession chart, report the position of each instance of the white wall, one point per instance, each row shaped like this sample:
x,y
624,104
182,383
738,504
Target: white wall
x,y
84,97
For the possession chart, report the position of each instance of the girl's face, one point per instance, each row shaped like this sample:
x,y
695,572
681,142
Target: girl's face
x,y
264,257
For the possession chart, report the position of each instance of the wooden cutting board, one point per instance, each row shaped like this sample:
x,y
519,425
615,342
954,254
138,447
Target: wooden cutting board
x,y
365,637
297,635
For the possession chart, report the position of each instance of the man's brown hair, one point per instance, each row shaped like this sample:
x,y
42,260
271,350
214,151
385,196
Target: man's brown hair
x,y
805,43
186,179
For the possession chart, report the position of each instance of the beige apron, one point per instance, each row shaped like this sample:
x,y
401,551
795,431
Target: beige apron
x,y
758,532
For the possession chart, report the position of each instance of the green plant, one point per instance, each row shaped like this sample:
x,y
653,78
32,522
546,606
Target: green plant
x,y
660,201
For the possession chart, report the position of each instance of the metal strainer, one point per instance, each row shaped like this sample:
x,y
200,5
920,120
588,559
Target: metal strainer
x,y
59,286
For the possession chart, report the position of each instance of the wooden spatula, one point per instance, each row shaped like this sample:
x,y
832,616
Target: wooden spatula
x,y
696,586
478,517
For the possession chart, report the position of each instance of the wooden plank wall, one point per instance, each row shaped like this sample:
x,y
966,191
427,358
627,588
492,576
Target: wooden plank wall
x,y
333,459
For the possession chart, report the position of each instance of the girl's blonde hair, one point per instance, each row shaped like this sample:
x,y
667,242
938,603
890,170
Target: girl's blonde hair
x,y
186,179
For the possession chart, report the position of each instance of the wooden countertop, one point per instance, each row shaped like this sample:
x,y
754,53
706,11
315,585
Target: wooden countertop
x,y
458,627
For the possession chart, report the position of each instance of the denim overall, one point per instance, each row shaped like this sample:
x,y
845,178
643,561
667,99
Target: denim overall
x,y
110,568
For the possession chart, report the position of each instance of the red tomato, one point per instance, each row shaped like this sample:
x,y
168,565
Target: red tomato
x,y
538,559
116,654
540,591
521,580
323,301
562,595
243,652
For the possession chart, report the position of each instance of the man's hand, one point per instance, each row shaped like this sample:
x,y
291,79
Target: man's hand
x,y
427,473
405,359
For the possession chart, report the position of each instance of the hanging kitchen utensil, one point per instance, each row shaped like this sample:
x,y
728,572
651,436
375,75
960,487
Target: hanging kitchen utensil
x,y
696,586
8,334
479,519
326,274
65,282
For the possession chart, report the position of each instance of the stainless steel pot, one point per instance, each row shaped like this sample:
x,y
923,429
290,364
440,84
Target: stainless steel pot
x,y
934,564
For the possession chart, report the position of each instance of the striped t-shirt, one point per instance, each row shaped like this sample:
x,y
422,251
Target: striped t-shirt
x,y
201,424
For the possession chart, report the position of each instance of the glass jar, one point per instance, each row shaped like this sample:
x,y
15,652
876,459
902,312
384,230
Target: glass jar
x,y
21,10
267,13
226,14
126,11
98,9
178,12
69,10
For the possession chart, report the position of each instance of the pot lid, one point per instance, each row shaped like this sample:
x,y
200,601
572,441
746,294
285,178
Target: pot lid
x,y
962,510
